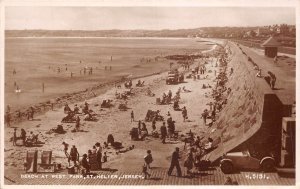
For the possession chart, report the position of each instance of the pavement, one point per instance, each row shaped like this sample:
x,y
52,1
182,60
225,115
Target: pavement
x,y
285,71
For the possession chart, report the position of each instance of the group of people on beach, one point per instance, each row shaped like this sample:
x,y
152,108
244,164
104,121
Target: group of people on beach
x,y
93,156
27,140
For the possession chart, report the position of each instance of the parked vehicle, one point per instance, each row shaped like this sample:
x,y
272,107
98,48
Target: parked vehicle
x,y
233,161
174,77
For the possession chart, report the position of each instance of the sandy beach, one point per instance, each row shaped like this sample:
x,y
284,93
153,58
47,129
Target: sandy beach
x,y
116,122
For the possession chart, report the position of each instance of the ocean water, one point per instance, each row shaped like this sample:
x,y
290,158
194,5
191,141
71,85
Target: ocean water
x,y
37,60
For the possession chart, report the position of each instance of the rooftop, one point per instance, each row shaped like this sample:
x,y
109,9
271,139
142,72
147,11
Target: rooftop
x,y
271,42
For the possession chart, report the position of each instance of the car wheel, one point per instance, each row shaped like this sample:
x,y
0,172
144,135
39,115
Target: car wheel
x,y
267,165
227,167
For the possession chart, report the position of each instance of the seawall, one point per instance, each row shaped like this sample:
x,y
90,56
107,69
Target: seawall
x,y
253,114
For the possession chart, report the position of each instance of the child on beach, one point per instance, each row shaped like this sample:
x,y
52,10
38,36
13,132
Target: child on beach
x,y
148,159
145,172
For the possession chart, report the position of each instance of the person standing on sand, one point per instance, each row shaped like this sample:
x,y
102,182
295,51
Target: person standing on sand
x,y
145,172
7,119
23,136
204,116
163,131
184,113
148,159
74,155
85,163
132,116
66,147
188,163
30,113
99,154
139,126
153,124
15,137
175,163
77,124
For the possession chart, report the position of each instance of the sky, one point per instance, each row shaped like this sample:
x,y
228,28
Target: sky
x,y
152,18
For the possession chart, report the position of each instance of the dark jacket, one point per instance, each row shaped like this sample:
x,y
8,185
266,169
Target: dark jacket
x,y
163,130
85,163
175,157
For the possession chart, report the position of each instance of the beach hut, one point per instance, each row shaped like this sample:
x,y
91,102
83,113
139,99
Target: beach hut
x,y
271,47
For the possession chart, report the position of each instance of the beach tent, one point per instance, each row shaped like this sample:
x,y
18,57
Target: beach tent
x,y
271,47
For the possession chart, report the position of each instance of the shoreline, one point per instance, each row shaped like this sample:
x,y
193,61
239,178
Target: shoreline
x,y
78,37
87,93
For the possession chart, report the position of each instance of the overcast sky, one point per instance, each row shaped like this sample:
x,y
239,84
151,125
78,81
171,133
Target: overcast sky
x,y
98,18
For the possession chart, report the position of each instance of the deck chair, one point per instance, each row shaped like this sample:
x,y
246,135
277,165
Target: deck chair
x,y
30,164
46,165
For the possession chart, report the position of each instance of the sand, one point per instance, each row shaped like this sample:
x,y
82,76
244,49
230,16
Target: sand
x,y
116,122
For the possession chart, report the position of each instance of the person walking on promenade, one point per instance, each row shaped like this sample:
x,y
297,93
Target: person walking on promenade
x,y
273,79
148,159
163,131
132,116
175,163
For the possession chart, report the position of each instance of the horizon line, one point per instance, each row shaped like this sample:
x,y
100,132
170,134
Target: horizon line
x,y
152,29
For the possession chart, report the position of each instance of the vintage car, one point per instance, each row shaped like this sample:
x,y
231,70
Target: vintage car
x,y
235,161
173,77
